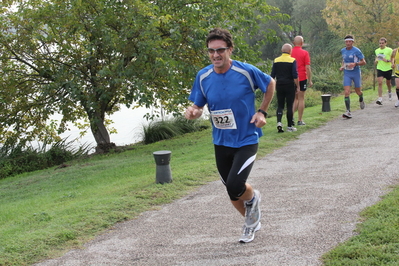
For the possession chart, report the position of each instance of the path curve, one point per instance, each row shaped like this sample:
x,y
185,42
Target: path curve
x,y
312,192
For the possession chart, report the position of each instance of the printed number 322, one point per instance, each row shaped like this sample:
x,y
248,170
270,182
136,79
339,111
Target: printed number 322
x,y
221,120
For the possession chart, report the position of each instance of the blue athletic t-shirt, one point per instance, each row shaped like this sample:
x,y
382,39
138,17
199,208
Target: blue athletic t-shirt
x,y
231,101
353,55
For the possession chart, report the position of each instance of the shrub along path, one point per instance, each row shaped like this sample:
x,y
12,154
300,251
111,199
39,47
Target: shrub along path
x,y
312,192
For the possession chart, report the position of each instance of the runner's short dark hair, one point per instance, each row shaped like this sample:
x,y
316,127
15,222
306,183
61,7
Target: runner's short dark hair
x,y
220,34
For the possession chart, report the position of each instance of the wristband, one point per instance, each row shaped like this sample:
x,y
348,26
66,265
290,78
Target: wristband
x,y
263,112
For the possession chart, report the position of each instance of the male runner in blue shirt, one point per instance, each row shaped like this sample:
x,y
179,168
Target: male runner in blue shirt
x,y
228,88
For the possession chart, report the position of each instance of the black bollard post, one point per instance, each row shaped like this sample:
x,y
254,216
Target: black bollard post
x,y
326,102
163,173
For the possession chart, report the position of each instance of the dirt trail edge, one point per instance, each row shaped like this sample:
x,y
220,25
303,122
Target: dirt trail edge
x,y
312,192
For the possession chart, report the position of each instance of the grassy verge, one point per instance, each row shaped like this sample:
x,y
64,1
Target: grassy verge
x,y
377,242
47,212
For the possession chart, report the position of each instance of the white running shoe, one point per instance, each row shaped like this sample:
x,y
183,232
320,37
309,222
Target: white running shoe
x,y
280,127
291,129
362,105
379,101
248,233
252,211
390,96
397,104
347,114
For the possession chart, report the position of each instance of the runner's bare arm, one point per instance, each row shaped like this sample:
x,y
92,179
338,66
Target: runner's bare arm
x,y
393,55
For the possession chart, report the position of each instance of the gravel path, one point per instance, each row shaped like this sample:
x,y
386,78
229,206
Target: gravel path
x,y
312,192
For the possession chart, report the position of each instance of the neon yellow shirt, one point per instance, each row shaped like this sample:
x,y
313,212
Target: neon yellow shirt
x,y
397,61
383,54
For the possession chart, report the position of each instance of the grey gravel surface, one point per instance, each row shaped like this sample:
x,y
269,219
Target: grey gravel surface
x,y
312,192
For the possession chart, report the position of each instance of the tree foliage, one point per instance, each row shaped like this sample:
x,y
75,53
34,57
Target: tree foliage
x,y
308,15
368,20
84,59
301,17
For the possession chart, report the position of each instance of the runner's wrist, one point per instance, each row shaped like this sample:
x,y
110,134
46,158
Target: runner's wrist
x,y
262,112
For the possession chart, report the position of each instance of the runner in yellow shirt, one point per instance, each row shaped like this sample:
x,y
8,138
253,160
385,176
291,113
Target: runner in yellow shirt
x,y
384,68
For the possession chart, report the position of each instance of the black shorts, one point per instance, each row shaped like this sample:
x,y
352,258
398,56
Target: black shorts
x,y
303,85
385,74
234,166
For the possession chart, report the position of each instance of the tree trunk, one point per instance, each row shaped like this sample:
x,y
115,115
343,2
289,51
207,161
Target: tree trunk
x,y
101,134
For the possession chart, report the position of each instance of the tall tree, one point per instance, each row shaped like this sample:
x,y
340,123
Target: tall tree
x,y
368,20
308,14
84,59
302,17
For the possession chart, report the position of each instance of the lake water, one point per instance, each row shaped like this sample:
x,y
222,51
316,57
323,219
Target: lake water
x,y
129,124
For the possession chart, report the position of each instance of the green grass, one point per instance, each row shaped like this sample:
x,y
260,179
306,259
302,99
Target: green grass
x,y
45,213
377,242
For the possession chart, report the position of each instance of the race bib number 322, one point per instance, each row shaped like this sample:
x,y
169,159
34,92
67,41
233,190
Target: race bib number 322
x,y
223,119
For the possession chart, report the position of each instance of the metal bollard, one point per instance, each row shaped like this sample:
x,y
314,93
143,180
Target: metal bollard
x,y
326,102
163,173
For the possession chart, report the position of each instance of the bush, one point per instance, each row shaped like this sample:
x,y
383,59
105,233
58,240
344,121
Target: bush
x,y
312,97
166,129
328,85
20,158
